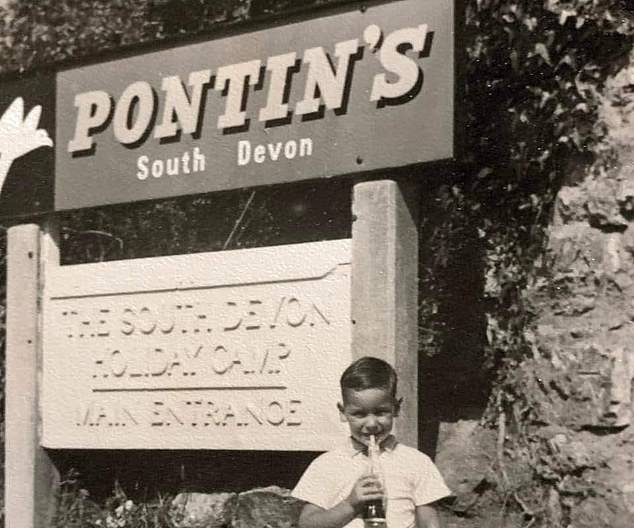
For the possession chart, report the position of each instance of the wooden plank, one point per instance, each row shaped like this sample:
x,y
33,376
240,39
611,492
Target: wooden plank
x,y
30,476
227,350
385,286
211,269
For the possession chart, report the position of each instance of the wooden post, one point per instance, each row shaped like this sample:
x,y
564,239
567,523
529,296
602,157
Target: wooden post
x,y
31,479
385,286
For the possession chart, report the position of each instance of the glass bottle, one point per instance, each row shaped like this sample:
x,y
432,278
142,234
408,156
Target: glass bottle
x,y
374,511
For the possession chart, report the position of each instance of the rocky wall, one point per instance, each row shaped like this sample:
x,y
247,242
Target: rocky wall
x,y
270,507
577,387
558,449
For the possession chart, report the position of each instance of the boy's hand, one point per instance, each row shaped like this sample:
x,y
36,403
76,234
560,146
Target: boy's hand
x,y
367,488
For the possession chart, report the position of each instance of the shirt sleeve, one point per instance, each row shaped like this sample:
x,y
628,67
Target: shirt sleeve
x,y
314,486
430,486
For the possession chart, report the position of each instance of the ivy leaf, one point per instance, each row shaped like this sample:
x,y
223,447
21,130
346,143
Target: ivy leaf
x,y
530,23
565,14
542,51
515,63
569,59
485,172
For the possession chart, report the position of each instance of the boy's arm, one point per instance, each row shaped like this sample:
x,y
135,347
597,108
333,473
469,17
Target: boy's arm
x,y
365,489
315,517
427,517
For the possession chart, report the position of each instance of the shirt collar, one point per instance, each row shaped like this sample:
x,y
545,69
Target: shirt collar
x,y
355,447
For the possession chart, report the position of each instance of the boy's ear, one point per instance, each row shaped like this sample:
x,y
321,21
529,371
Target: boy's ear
x,y
397,406
342,416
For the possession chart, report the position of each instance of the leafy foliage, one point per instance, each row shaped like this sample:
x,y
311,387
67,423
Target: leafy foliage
x,y
77,510
534,82
40,33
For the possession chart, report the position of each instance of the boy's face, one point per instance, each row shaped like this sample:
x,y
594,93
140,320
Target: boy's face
x,y
368,412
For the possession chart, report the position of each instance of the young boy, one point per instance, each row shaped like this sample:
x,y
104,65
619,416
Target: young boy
x,y
337,484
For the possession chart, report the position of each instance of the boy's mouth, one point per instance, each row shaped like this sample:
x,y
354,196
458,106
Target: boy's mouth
x,y
365,437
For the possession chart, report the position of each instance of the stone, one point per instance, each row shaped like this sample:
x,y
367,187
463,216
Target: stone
x,y
628,496
602,205
557,442
464,460
619,404
575,456
270,507
579,332
577,252
628,239
576,305
612,255
617,110
605,382
625,196
593,512
570,204
554,509
202,510
588,389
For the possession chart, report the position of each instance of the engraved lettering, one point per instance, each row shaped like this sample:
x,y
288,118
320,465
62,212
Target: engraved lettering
x,y
103,331
235,323
316,310
164,415
278,311
255,413
157,364
127,325
253,321
293,406
295,316
222,366
117,364
275,413
98,414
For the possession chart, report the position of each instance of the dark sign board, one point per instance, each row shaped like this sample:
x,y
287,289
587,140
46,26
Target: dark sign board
x,y
352,92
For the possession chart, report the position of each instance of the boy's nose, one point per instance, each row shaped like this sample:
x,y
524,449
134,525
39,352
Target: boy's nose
x,y
371,423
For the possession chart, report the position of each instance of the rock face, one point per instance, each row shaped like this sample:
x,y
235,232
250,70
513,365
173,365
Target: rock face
x,y
572,463
266,508
464,459
270,507
579,384
202,510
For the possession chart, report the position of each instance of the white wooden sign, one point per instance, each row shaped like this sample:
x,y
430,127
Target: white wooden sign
x,y
233,350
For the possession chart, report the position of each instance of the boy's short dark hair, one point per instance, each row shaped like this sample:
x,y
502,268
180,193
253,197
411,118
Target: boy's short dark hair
x,y
369,373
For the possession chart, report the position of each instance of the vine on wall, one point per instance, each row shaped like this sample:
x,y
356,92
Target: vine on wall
x,y
534,82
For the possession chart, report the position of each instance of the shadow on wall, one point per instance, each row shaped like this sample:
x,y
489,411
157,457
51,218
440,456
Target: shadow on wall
x,y
453,384
143,474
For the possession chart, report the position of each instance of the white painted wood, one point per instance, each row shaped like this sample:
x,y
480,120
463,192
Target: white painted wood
x,y
232,350
30,477
385,287
183,272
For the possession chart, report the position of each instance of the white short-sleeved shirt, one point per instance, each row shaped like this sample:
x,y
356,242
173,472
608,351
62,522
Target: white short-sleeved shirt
x,y
411,479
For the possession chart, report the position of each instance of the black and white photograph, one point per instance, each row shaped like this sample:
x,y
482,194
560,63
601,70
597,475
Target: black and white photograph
x,y
317,263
